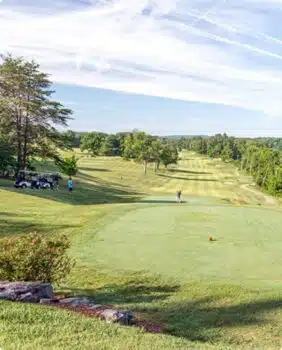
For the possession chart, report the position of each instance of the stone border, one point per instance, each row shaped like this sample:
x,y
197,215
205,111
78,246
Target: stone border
x,y
43,293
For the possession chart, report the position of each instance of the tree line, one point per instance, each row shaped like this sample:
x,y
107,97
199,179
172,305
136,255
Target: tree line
x,y
29,121
137,145
261,157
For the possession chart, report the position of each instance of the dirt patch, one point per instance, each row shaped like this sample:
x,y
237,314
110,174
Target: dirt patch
x,y
238,202
96,312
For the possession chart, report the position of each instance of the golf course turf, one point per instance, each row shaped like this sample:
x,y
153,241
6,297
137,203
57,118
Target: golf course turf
x,y
138,249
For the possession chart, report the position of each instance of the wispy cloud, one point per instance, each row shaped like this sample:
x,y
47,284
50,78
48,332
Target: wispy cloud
x,y
222,52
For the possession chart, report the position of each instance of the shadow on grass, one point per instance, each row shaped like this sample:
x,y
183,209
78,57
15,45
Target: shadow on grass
x,y
83,193
94,169
11,225
187,178
188,171
82,177
3,213
86,177
165,201
198,321
204,319
126,294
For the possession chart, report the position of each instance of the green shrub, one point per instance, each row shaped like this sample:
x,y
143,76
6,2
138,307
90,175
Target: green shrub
x,y
35,257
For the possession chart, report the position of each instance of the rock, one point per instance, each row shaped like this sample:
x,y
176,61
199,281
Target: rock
x,y
126,318
83,302
109,315
94,307
68,301
115,316
28,298
37,292
47,301
7,296
45,290
26,291
77,302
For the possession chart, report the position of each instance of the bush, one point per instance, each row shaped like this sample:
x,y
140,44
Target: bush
x,y
35,257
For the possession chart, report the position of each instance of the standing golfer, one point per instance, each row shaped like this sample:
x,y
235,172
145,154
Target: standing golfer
x,y
178,196
70,185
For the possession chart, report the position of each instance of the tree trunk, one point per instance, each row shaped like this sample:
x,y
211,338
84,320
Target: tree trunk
x,y
145,167
25,143
19,144
155,167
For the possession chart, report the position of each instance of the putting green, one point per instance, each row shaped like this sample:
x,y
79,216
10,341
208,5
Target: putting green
x,y
172,240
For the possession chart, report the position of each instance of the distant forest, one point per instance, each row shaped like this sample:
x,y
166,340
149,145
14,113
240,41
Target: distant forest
x,y
259,157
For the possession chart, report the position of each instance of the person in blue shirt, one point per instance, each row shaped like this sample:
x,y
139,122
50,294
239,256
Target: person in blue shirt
x,y
70,185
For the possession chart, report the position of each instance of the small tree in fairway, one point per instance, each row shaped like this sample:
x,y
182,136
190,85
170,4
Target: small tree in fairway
x,y
68,165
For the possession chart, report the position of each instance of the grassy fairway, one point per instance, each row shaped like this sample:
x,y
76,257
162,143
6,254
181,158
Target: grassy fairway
x,y
173,240
137,249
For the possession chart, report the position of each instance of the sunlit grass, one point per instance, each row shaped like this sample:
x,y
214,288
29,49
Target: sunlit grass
x,y
139,250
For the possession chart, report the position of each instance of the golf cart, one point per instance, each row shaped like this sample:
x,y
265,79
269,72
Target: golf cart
x,y
48,180
26,179
31,179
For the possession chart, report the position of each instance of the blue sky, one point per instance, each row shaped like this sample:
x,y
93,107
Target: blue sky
x,y
163,66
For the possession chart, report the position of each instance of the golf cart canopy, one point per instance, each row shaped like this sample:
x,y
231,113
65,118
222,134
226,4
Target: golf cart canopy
x,y
30,174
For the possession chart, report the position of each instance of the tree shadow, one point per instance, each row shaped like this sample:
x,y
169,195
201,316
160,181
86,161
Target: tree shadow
x,y
198,321
187,178
132,292
11,225
165,201
86,177
94,169
83,193
3,213
188,171
203,319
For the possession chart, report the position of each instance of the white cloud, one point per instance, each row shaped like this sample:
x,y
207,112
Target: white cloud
x,y
223,52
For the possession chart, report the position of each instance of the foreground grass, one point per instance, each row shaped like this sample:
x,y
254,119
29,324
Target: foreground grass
x,y
139,251
197,315
31,327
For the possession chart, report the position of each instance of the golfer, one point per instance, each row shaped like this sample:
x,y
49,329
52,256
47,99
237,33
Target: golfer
x,y
70,186
178,196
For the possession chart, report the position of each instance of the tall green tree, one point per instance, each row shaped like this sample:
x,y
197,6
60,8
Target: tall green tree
x,y
157,148
92,143
128,150
169,155
111,146
27,112
71,139
138,146
7,159
142,146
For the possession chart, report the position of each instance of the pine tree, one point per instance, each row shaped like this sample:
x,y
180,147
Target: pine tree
x,y
27,112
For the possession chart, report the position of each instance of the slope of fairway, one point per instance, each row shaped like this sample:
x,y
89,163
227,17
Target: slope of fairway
x,y
114,180
172,240
139,250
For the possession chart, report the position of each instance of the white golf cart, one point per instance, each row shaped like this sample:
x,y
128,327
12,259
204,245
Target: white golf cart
x,y
26,179
31,179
